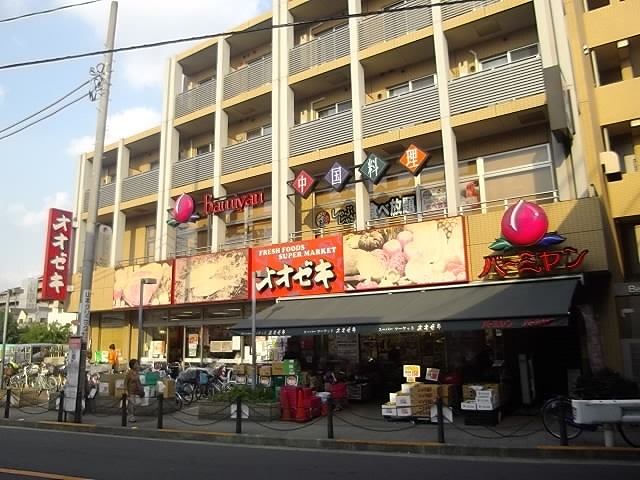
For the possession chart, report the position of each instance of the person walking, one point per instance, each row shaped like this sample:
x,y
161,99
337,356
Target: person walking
x,y
133,387
113,358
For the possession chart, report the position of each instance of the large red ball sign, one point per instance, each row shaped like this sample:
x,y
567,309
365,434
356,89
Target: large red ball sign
x,y
183,208
524,223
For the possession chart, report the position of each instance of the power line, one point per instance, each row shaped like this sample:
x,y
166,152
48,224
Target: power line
x,y
51,10
51,105
43,118
228,33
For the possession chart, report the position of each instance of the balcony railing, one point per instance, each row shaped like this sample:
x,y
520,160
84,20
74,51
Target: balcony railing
x,y
501,84
191,170
320,50
199,97
407,109
246,154
140,185
450,11
107,195
385,27
322,133
252,76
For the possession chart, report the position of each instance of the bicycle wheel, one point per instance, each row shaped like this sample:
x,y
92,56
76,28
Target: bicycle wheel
x,y
630,432
187,393
52,384
558,410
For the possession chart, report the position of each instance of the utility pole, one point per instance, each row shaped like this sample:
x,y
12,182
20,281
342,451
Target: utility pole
x,y
88,259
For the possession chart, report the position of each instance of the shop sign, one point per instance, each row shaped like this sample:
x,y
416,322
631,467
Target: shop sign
x,y
214,206
411,372
522,323
342,216
394,207
424,253
373,168
414,159
303,184
299,268
524,246
56,259
184,209
337,176
129,288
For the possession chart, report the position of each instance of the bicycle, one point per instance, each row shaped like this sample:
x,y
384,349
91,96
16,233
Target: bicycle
x,y
558,410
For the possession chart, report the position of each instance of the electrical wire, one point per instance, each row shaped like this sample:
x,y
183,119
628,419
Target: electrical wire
x,y
43,118
228,33
51,105
51,10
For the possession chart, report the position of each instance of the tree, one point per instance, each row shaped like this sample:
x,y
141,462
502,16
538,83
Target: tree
x,y
12,330
44,333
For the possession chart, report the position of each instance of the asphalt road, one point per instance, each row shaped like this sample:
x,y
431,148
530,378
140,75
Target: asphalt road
x,y
28,453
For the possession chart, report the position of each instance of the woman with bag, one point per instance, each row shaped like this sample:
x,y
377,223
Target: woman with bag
x,y
133,387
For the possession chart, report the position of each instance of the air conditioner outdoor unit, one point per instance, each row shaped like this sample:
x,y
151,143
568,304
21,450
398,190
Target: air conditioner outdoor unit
x,y
610,161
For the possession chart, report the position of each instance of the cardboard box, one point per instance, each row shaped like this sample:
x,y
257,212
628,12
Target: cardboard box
x,y
403,400
389,410
277,368
264,371
405,411
468,405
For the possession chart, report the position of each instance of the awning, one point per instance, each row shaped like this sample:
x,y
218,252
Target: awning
x,y
515,304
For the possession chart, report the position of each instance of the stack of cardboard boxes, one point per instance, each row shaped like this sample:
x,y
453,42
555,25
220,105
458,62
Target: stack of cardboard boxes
x,y
481,397
416,400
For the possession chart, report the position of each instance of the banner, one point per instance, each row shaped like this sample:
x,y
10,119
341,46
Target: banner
x,y
57,255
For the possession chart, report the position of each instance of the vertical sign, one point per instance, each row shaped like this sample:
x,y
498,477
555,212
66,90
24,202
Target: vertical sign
x,y
57,255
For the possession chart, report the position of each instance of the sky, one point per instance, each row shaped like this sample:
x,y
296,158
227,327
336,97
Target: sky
x,y
40,164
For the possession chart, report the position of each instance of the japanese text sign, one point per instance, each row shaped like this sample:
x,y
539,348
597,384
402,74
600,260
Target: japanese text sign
x,y
57,255
308,267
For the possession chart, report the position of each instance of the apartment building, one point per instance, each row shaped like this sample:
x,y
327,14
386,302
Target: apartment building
x,y
341,119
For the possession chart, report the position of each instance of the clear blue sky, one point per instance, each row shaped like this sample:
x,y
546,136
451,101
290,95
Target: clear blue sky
x,y
39,164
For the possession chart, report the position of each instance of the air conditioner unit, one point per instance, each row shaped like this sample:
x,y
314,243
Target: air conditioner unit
x,y
106,180
610,162
631,164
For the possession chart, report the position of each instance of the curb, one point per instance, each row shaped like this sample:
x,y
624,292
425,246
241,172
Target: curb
x,y
419,448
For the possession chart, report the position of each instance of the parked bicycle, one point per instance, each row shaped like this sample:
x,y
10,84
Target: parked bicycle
x,y
558,410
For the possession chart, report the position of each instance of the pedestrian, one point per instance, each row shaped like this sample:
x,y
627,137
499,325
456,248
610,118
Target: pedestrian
x,y
113,358
133,387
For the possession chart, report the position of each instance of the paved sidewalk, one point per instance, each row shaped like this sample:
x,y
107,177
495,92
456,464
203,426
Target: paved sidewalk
x,y
357,427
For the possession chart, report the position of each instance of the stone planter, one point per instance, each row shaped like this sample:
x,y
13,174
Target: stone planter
x,y
260,411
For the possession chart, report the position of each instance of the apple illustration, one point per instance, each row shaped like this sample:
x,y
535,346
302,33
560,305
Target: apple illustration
x,y
524,223
183,208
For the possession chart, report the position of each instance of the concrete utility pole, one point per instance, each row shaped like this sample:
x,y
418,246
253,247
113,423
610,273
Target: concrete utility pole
x,y
88,260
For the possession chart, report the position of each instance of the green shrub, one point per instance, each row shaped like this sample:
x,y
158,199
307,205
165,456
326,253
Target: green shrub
x,y
260,394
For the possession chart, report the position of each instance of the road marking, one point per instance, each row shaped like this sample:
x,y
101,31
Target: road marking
x,y
31,473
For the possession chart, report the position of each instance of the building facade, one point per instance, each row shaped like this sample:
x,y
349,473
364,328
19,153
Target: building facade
x,y
363,116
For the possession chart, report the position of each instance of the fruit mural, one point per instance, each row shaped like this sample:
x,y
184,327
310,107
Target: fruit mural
x,y
425,253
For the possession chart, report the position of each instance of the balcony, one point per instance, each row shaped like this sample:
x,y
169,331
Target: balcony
x,y
191,170
404,110
318,51
251,153
107,195
385,27
138,186
501,84
323,133
246,79
451,11
199,97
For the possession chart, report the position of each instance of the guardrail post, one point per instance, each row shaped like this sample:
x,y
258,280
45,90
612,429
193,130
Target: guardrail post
x,y
440,420
7,403
60,405
123,405
160,408
239,414
330,418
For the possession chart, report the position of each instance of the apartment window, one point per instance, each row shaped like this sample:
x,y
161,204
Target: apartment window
x,y
411,85
509,57
150,241
204,80
334,109
259,132
202,149
329,31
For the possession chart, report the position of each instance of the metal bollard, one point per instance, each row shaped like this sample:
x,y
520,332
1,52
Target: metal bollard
x,y
239,414
564,440
7,403
440,420
160,408
60,405
124,410
330,418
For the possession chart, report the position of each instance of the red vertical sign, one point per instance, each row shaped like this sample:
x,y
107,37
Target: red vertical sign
x,y
57,255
